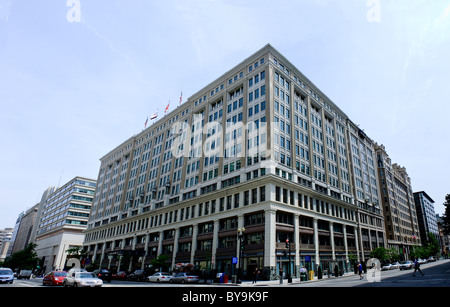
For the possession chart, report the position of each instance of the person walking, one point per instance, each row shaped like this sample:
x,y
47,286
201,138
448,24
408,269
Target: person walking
x,y
417,267
360,271
255,276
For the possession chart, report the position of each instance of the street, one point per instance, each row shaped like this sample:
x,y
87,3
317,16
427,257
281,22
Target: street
x,y
437,274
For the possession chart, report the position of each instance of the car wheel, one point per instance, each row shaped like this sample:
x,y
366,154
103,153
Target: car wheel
x,y
183,281
171,281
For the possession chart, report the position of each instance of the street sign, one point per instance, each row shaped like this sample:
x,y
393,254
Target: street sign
x,y
308,258
235,260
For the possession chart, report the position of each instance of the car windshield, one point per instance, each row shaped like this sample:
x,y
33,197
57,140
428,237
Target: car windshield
x,y
6,272
60,274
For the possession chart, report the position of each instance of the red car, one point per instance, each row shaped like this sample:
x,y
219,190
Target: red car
x,y
122,275
54,278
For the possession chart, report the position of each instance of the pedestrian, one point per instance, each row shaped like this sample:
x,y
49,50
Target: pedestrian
x,y
417,267
281,277
303,273
255,276
360,271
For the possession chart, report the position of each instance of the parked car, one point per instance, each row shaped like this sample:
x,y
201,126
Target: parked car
x,y
82,279
421,261
103,274
6,275
386,267
160,277
406,265
24,274
396,265
184,278
431,259
54,278
138,275
121,275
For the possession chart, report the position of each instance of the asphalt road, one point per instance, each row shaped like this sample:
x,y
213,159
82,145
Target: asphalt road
x,y
437,274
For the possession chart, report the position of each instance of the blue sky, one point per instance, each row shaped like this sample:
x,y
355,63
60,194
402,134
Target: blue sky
x,y
72,91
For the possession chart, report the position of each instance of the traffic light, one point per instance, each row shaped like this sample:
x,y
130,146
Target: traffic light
x,y
287,243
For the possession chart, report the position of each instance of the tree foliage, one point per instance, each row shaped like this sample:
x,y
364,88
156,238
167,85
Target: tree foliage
x,y
384,254
25,259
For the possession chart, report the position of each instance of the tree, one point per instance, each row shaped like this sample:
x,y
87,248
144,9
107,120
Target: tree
x,y
393,255
379,253
433,247
159,262
446,216
25,259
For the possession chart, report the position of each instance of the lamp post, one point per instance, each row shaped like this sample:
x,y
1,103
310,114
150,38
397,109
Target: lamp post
x,y
240,235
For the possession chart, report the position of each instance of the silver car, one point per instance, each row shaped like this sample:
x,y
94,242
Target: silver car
x,y
82,279
6,275
160,277
406,265
184,278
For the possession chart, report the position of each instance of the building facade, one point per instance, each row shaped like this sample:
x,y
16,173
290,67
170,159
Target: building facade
x,y
5,242
427,217
366,190
259,152
25,229
62,220
400,216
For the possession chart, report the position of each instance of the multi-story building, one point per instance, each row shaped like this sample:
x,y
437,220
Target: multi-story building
x,y
25,229
366,190
259,152
426,216
62,220
5,242
400,216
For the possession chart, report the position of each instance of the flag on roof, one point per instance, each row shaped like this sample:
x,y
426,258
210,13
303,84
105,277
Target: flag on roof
x,y
155,115
167,108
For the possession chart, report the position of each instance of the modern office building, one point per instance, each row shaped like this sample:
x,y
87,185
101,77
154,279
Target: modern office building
x,y
257,157
400,216
426,215
63,218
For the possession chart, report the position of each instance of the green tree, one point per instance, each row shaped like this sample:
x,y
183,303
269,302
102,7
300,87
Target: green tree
x,y
380,253
159,262
25,259
433,246
393,255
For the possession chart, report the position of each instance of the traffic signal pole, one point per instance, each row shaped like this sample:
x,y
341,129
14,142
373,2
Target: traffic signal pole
x,y
288,245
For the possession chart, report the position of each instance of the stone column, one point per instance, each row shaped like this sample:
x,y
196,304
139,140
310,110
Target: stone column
x,y
270,242
316,241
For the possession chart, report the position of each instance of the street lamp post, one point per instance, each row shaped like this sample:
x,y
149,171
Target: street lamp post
x,y
240,234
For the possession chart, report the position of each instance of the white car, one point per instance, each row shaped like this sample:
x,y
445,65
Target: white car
x,y
386,267
82,279
160,277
